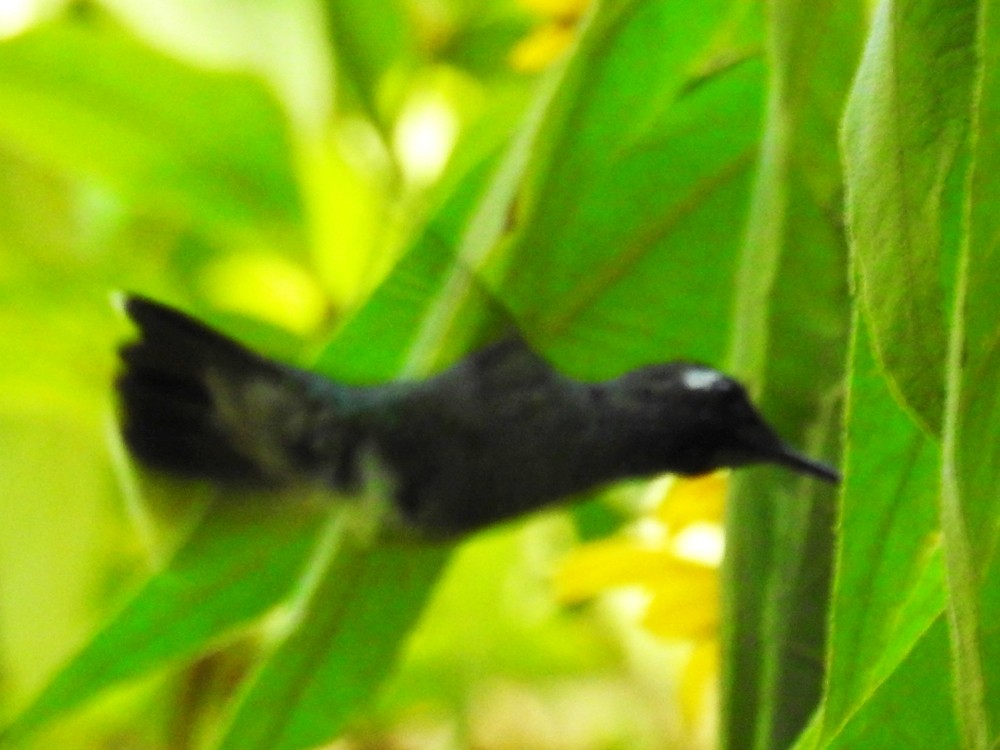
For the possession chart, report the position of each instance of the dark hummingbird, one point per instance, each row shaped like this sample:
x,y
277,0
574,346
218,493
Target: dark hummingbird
x,y
499,434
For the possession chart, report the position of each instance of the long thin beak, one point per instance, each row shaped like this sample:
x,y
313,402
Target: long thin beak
x,y
784,455
787,456
764,444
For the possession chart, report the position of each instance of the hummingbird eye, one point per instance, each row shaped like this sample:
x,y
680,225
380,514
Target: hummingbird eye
x,y
738,402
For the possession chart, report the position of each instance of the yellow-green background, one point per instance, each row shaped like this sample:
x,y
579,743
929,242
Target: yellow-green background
x,y
800,192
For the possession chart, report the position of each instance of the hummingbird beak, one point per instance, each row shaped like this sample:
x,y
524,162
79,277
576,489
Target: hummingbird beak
x,y
765,445
791,458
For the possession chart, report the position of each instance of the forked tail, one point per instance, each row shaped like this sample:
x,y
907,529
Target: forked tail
x,y
196,403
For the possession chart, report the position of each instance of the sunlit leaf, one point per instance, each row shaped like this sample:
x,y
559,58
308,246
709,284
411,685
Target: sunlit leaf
x,y
240,562
912,708
904,130
90,100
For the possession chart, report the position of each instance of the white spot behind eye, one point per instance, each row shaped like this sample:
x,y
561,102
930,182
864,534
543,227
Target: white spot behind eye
x,y
701,379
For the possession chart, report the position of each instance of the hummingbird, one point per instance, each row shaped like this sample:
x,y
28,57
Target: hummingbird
x,y
498,435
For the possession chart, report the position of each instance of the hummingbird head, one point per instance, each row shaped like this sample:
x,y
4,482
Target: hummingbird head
x,y
697,420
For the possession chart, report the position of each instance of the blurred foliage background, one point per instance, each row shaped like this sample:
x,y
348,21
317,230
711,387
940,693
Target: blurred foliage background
x,y
265,164
800,192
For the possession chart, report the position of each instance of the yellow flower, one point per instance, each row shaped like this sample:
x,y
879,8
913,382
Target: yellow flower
x,y
681,579
552,37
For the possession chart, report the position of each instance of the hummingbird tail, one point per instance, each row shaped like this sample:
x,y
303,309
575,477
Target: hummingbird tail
x,y
196,403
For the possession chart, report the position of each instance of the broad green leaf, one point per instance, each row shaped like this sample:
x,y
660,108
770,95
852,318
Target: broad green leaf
x,y
208,147
789,334
623,238
912,708
971,476
889,574
241,561
905,147
904,131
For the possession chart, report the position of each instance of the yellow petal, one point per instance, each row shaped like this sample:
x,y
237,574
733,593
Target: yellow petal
x,y
687,608
542,47
698,680
694,499
556,8
599,566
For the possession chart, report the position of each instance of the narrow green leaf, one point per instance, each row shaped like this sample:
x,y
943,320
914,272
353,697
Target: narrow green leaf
x,y
789,343
904,131
370,39
353,627
241,561
971,475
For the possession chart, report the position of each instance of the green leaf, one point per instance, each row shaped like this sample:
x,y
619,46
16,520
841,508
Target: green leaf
x,y
904,130
184,142
912,708
352,630
241,561
905,143
406,300
370,40
789,344
889,577
971,476
623,238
